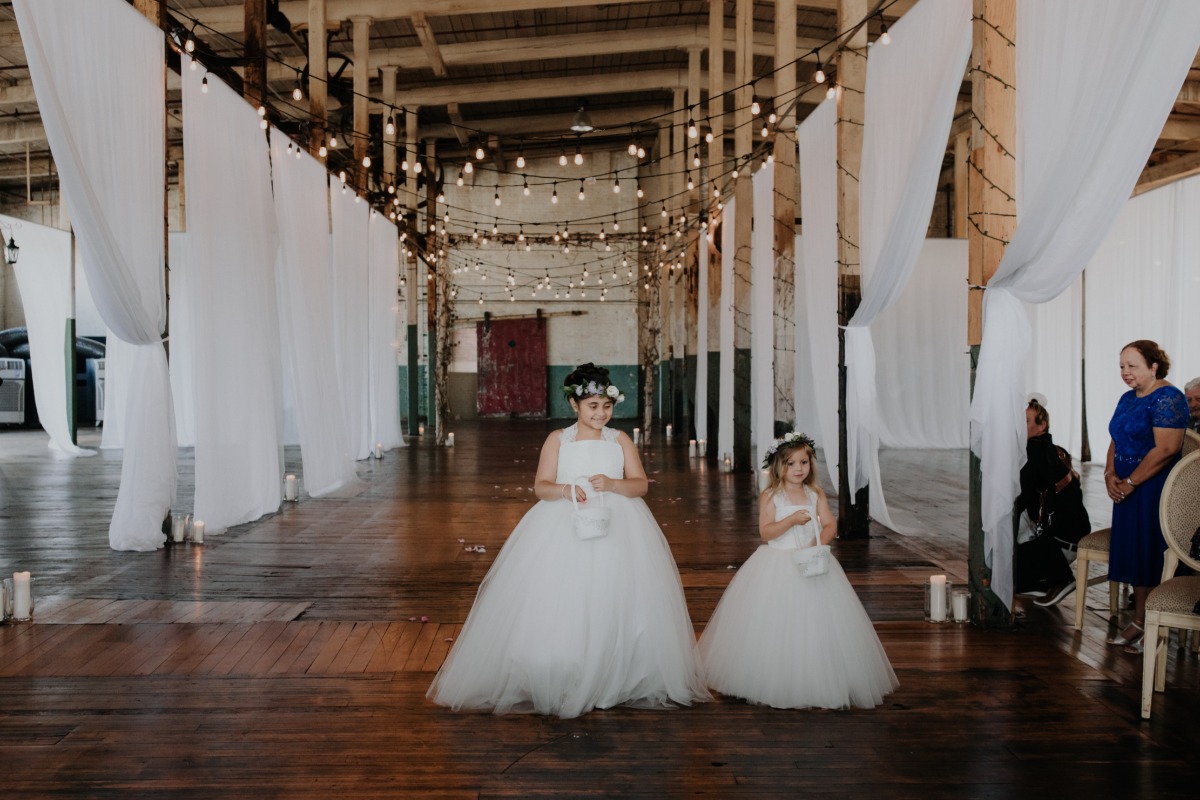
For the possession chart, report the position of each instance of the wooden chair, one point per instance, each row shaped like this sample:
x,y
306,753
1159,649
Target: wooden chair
x,y
1095,547
1171,604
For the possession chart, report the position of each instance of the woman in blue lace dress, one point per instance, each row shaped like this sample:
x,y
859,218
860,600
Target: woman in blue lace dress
x,y
1147,434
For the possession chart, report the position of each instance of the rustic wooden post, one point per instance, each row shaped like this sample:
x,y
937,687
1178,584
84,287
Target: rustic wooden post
x,y
743,190
787,187
318,74
714,115
254,84
991,214
362,89
853,511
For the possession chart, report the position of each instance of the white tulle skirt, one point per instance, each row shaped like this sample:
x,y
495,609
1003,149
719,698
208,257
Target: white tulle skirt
x,y
787,641
562,625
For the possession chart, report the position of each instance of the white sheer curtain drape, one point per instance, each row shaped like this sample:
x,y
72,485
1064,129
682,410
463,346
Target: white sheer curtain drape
x,y
109,150
817,250
1096,80
44,281
181,341
306,319
350,314
701,412
384,278
232,249
762,312
912,86
725,398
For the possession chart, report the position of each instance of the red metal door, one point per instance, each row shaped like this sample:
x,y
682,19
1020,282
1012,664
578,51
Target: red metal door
x,y
512,367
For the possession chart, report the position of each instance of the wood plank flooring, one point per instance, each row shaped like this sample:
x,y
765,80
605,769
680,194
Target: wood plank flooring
x,y
289,657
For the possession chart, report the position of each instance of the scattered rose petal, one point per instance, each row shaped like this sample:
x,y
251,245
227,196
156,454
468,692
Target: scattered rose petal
x,y
412,619
424,619
448,639
461,541
729,566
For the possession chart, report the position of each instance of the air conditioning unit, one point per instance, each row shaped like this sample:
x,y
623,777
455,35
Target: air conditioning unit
x,y
95,368
12,391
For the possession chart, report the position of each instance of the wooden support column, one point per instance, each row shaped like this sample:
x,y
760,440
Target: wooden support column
x,y
787,191
714,181
991,216
362,89
743,190
254,84
388,77
412,310
409,200
962,153
853,519
691,346
318,74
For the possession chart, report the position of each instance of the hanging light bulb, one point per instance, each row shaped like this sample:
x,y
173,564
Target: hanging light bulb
x,y
735,173
298,152
366,162
204,84
323,151
496,197
819,76
641,152
416,167
640,193
554,196
831,92
578,156
690,184
525,187
562,157
459,182
390,127
495,229
262,111
755,108
616,225
692,131
192,66
297,93
633,148
708,137
772,118
262,124
663,213
885,38
190,44
696,159
765,131
479,154
521,161
521,234
441,197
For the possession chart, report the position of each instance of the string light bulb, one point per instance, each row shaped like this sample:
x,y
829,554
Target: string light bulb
x,y
323,151
885,38
496,197
633,148
831,92
696,158
772,118
416,167
390,128
616,185
708,137
640,193
190,44
525,187
641,152
692,131
819,77
479,154
297,92
441,197
333,143
578,156
521,160
554,195
204,85
755,108
562,157
366,162
582,196
459,182
690,184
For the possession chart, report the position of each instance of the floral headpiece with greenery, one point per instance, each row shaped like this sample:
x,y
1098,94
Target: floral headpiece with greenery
x,y
792,438
582,390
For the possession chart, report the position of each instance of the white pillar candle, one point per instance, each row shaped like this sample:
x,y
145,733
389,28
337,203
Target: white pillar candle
x,y
450,439
177,523
670,431
702,447
198,532
960,605
379,449
727,463
692,448
420,430
22,603
637,435
937,598
291,491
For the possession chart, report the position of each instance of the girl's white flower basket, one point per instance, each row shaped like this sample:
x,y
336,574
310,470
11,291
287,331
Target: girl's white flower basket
x,y
589,522
812,561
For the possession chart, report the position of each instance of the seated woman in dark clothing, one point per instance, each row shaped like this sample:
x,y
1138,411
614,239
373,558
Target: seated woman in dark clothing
x,y
1051,500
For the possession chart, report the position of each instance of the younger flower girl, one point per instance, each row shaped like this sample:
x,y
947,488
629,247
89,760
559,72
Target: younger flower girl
x,y
789,631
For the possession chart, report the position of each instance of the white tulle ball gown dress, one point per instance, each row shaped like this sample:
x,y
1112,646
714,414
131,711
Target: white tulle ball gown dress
x,y
785,640
562,625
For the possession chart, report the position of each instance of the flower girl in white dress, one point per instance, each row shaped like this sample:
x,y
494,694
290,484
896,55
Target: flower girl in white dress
x,y
786,634
564,624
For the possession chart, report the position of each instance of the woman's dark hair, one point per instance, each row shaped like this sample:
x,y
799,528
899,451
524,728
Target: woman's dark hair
x,y
586,373
1153,354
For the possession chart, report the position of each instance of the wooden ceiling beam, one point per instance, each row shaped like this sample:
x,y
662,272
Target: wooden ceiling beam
x,y
429,44
1168,172
459,129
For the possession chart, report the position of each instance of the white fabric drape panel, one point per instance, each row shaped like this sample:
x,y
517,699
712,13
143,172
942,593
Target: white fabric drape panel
x,y
44,281
384,254
1097,80
306,317
181,341
762,312
232,249
701,412
923,377
350,310
725,398
817,250
912,86
118,384
1053,368
1143,283
804,397
109,150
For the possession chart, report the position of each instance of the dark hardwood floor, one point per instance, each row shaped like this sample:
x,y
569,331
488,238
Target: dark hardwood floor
x,y
289,658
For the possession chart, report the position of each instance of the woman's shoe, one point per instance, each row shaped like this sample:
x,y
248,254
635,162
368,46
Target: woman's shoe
x,y
1132,633
1137,647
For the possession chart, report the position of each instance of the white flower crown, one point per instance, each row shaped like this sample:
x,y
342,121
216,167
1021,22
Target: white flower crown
x,y
581,390
794,437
